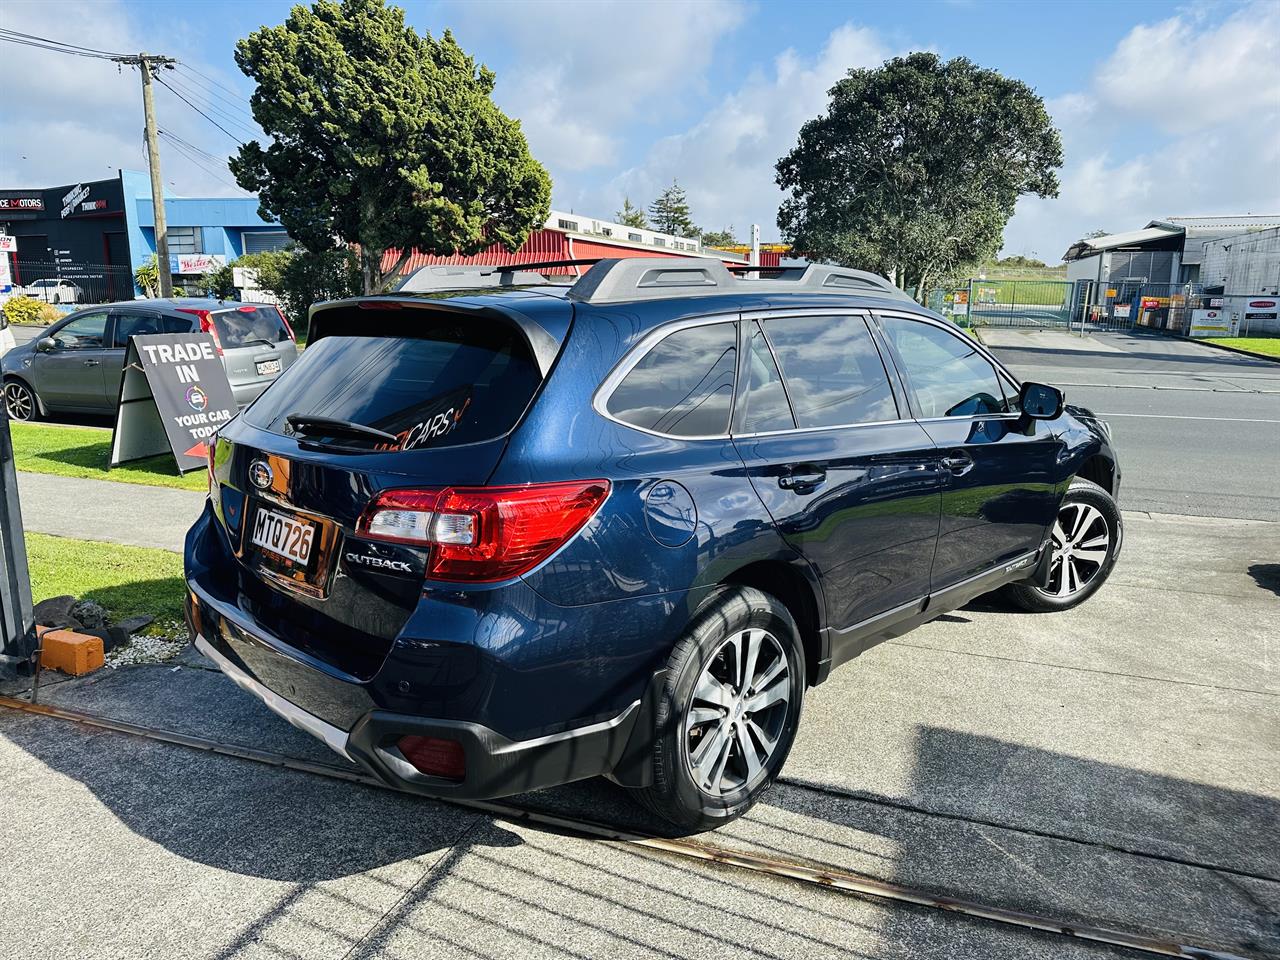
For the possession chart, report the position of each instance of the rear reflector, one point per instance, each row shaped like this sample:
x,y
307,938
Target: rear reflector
x,y
435,757
484,534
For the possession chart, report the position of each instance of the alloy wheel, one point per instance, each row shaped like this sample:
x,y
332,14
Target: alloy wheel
x,y
1081,545
18,402
737,712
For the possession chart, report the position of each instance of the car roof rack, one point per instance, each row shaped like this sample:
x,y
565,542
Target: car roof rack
x,y
469,276
660,278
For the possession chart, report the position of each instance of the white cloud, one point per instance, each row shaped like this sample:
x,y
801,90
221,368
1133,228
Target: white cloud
x,y
726,160
1182,118
585,72
70,118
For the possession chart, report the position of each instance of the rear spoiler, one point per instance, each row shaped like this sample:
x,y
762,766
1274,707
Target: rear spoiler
x,y
391,315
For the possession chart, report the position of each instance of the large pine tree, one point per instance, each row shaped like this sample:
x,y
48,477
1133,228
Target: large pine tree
x,y
669,213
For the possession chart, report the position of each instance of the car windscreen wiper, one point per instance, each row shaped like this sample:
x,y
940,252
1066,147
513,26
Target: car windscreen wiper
x,y
249,343
331,427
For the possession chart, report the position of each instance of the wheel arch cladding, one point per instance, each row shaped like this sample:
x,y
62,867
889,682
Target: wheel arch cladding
x,y
786,584
1099,469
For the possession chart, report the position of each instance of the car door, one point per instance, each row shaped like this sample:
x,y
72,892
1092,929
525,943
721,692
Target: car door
x,y
850,480
70,375
1000,494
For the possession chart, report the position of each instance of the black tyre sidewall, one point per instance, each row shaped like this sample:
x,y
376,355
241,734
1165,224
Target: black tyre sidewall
x,y
734,611
35,403
1084,491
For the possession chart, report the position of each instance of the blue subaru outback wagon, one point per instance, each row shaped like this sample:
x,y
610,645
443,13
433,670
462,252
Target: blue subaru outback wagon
x,y
497,531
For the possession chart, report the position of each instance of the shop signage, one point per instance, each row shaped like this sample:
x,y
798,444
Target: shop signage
x,y
21,203
1261,304
8,244
76,195
174,396
198,262
1210,323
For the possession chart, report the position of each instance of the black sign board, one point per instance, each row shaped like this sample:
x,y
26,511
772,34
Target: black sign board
x,y
174,395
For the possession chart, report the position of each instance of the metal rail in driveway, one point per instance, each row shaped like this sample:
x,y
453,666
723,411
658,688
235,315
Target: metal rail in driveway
x,y
833,878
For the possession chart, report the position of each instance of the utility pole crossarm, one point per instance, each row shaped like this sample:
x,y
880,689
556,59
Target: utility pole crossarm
x,y
145,64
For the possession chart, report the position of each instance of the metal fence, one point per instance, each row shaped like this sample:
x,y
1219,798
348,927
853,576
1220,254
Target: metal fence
x,y
1021,303
71,283
1137,305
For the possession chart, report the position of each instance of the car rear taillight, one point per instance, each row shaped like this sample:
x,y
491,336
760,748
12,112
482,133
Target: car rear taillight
x,y
206,324
484,534
435,757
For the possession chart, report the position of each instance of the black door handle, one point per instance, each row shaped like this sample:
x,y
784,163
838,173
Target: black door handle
x,y
803,479
958,463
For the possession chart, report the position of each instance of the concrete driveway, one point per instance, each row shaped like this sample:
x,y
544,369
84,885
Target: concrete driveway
x,y
1114,765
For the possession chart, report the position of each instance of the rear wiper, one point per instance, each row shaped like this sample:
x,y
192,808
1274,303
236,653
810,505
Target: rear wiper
x,y
330,427
249,343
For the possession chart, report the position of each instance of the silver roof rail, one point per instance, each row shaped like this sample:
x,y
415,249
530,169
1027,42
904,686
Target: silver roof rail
x,y
467,276
660,278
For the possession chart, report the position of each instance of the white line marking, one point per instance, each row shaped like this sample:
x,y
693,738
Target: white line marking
x,y
1172,416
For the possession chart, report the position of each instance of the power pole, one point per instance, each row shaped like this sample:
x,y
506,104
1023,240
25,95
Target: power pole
x,y
146,63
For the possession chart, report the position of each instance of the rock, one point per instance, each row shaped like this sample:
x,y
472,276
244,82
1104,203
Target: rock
x,y
55,612
134,624
91,615
108,638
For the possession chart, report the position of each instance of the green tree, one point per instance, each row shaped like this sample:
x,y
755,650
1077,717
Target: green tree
x,y
383,138
147,277
915,167
219,284
720,238
670,212
299,278
631,216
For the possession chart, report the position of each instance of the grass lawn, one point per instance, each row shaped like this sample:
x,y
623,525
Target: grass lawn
x,y
1267,346
85,452
128,581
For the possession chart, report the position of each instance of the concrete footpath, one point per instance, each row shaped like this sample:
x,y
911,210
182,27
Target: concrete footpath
x,y
1115,765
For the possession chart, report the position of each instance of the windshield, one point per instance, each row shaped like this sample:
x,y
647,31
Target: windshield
x,y
249,325
454,383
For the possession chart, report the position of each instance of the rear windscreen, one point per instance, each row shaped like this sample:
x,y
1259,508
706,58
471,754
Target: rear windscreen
x,y
249,326
450,384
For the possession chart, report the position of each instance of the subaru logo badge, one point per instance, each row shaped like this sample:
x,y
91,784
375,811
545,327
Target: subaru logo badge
x,y
260,474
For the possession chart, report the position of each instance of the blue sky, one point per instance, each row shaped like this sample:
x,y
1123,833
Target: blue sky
x,y
1165,108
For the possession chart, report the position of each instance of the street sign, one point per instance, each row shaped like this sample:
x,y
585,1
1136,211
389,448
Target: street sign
x,y
174,396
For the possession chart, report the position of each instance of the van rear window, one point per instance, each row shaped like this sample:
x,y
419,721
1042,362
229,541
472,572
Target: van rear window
x,y
249,325
449,384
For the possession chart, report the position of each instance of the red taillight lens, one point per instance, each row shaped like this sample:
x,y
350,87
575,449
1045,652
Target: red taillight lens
x,y
484,534
206,325
435,757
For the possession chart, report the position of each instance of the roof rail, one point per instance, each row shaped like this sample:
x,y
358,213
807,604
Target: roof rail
x,y
659,278
472,276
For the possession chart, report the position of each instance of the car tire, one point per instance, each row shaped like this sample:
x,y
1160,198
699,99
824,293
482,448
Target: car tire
x,y
20,401
1086,539
705,721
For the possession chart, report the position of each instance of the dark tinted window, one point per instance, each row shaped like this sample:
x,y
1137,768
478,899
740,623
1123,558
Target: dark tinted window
x,y
249,325
764,403
454,383
684,385
82,332
945,373
142,324
833,371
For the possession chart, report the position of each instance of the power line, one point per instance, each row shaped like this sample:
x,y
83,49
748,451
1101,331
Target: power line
x,y
161,81
202,164
204,76
187,143
58,45
213,108
56,49
236,105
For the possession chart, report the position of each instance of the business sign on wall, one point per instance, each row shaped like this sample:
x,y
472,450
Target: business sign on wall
x,y
174,396
21,203
197,262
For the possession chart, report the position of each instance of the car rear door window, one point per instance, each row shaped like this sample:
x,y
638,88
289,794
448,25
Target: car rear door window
x,y
684,385
453,382
82,332
135,325
945,373
764,401
249,325
832,369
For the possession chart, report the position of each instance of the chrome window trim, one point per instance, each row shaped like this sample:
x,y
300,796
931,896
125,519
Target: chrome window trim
x,y
600,400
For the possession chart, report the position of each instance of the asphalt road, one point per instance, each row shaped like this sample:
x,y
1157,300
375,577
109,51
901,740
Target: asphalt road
x,y
1197,429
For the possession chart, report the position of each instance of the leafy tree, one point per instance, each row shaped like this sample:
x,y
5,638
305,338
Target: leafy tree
x,y
670,212
383,138
219,284
1095,234
147,277
915,167
720,238
299,278
630,216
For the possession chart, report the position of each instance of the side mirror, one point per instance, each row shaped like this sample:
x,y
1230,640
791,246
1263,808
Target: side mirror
x,y
1039,401
46,345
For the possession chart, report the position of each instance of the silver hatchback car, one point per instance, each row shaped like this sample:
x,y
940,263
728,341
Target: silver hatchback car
x,y
75,366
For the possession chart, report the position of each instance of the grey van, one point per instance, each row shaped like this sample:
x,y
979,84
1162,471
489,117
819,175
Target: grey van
x,y
75,367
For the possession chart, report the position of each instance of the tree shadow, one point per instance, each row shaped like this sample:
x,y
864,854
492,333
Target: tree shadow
x,y
1266,575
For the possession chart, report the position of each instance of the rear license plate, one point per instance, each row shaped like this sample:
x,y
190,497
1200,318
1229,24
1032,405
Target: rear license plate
x,y
268,366
283,536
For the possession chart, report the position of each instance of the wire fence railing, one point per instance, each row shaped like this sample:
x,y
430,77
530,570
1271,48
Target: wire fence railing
x,y
70,284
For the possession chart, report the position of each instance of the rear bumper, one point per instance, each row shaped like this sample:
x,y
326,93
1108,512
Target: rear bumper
x,y
496,766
